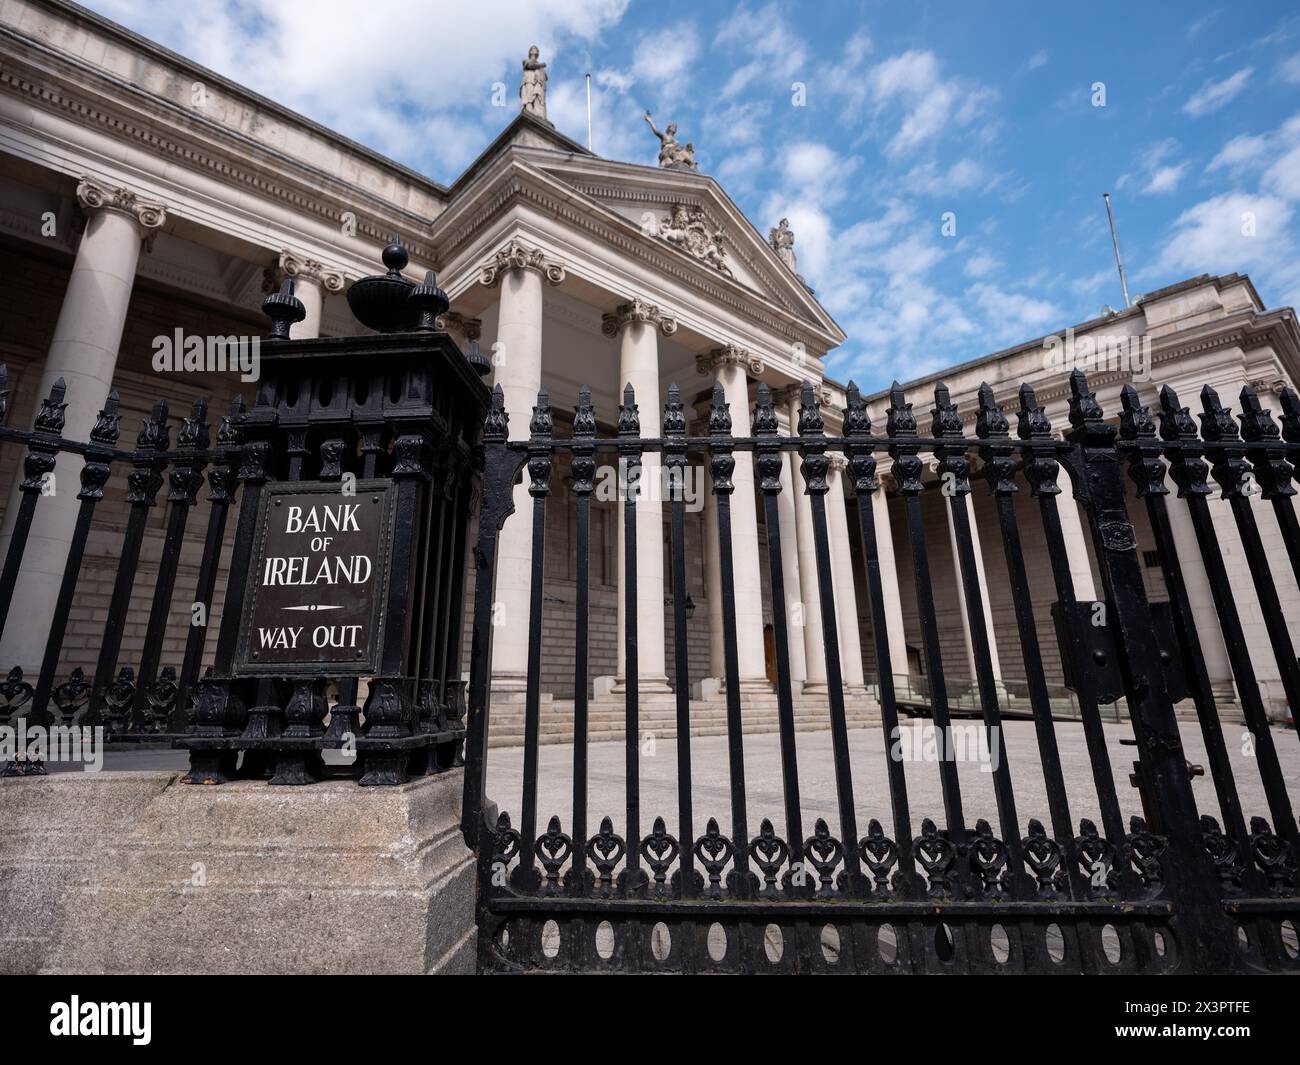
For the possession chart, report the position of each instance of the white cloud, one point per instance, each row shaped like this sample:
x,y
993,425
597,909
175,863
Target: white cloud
x,y
1014,313
339,63
776,54
1215,94
664,66
1289,70
1234,231
1038,59
1243,150
1283,177
962,176
1165,179
1158,172
981,264
909,94
812,170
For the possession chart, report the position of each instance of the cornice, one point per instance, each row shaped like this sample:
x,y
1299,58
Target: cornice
x,y
304,196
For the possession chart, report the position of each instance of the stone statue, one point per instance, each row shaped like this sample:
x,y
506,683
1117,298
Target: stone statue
x,y
782,240
532,89
672,156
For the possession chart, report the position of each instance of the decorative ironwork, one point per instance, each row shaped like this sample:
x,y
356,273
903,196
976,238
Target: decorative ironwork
x,y
1164,880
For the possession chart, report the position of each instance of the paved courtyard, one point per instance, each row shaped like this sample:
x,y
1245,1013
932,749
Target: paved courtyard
x,y
817,777
870,785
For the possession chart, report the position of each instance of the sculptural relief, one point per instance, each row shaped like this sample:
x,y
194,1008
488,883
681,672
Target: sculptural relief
x,y
689,229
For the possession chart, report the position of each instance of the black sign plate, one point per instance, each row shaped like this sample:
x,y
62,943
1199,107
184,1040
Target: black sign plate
x,y
318,581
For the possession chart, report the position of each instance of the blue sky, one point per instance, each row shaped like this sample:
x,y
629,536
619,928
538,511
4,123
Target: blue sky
x,y
910,111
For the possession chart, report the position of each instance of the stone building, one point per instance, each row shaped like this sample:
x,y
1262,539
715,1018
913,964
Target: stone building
x,y
141,194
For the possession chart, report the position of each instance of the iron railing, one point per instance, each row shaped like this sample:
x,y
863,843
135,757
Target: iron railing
x,y
140,699
1184,891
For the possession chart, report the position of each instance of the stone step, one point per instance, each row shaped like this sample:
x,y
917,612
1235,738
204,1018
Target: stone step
x,y
605,722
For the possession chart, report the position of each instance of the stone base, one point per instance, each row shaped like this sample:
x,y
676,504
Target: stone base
x,y
137,873
607,687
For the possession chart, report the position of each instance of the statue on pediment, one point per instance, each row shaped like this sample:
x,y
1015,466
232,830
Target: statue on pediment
x,y
689,229
782,240
532,89
672,155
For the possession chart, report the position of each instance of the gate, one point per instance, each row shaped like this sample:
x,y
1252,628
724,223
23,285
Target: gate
x,y
1180,891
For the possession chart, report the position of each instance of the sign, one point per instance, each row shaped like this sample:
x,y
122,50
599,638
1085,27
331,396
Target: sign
x,y
318,580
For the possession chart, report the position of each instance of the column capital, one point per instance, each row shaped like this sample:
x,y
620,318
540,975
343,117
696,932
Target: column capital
x,y
728,355
638,310
302,268
93,195
838,462
469,328
793,394
517,255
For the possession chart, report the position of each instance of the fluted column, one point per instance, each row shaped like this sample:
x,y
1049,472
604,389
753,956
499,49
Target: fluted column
x,y
731,366
519,271
83,352
637,326
313,281
813,640
846,600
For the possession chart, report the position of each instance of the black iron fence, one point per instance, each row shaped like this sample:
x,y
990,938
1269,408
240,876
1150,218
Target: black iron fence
x,y
144,698
1180,890
338,647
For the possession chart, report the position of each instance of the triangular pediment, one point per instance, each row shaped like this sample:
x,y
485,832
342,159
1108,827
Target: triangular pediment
x,y
691,213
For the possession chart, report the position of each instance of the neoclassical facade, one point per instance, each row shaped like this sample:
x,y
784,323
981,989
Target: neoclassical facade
x,y
132,206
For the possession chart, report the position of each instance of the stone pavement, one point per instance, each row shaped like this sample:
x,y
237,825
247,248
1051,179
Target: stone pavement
x,y
817,778
870,785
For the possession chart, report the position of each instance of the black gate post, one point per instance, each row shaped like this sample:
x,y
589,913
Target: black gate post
x,y
1096,467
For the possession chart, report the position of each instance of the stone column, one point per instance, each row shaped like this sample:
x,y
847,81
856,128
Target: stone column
x,y
846,600
519,270
794,610
889,580
1076,543
1204,613
712,684
637,325
731,366
981,579
84,353
813,640
313,281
